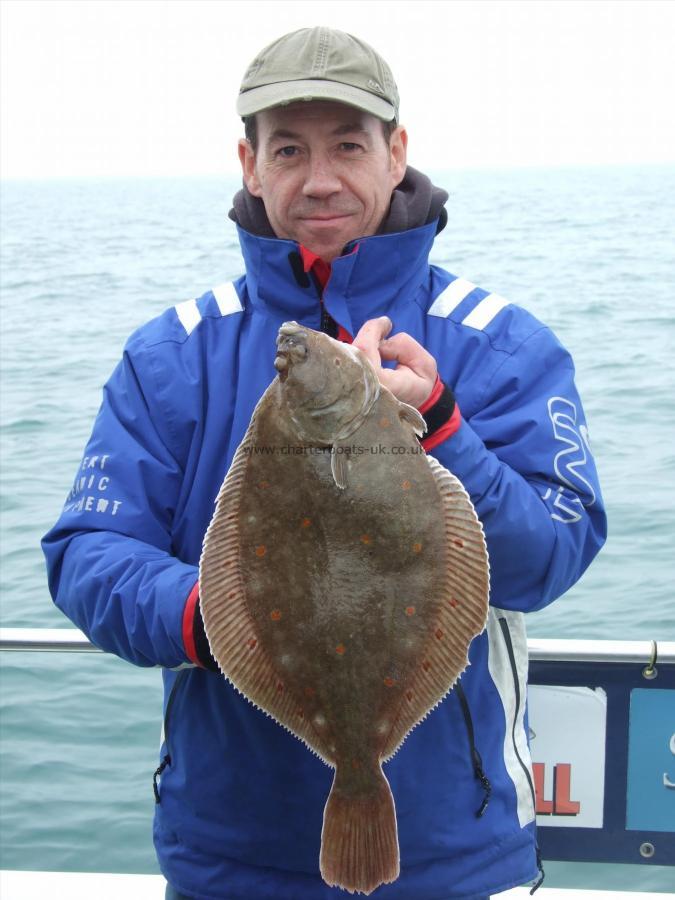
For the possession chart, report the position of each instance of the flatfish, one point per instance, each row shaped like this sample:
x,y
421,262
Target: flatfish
x,y
342,579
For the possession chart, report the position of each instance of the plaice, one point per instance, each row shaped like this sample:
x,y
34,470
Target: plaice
x,y
342,579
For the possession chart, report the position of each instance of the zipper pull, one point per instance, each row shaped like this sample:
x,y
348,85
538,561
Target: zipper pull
x,y
166,761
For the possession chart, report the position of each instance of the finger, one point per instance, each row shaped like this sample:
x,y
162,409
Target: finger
x,y
369,337
405,385
408,352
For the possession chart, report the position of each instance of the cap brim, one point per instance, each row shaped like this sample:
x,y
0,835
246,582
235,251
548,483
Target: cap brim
x,y
285,92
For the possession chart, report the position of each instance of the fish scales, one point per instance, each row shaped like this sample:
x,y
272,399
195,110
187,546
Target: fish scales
x,y
342,579
330,589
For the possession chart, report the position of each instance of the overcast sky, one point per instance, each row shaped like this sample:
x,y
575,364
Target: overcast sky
x,y
147,87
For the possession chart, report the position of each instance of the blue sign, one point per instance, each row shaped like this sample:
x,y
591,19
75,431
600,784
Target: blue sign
x,y
651,761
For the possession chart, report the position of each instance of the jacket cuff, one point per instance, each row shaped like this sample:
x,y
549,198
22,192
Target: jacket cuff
x,y
194,636
441,414
433,397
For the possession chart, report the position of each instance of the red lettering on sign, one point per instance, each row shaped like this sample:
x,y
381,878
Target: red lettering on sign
x,y
561,804
542,807
562,775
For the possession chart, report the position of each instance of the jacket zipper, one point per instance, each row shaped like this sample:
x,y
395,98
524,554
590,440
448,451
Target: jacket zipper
x,y
504,625
166,759
305,280
476,760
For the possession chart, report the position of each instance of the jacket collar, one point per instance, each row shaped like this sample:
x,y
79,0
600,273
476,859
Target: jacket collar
x,y
374,276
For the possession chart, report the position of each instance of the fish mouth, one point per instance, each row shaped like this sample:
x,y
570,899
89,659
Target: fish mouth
x,y
291,346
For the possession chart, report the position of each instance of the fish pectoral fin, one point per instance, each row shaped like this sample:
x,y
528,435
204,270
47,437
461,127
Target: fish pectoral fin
x,y
409,414
338,465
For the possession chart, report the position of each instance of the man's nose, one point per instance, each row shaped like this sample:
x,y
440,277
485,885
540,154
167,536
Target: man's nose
x,y
321,178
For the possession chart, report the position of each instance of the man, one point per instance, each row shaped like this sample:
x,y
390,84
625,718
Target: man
x,y
335,231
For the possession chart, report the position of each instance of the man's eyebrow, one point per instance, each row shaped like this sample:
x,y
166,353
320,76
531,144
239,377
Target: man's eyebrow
x,y
350,128
284,134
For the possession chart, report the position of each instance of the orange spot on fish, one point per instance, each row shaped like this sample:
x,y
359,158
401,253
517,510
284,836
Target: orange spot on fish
x,y
410,610
438,633
389,682
366,539
340,649
417,548
453,602
406,485
300,712
309,691
458,543
252,644
261,550
356,764
306,523
384,422
275,615
280,687
409,695
426,665
263,484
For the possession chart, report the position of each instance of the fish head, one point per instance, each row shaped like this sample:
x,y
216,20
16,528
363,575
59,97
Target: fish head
x,y
328,386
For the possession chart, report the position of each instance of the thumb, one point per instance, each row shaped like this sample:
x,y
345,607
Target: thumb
x,y
369,337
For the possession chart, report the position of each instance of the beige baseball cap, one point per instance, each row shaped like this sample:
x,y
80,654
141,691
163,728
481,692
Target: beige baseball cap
x,y
319,64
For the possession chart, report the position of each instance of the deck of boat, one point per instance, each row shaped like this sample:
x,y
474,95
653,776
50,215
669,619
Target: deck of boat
x,y
16,885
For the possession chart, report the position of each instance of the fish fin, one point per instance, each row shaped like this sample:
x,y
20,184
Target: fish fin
x,y
338,465
231,630
409,414
359,839
462,609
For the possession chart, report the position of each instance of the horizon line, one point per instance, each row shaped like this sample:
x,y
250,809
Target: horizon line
x,y
228,174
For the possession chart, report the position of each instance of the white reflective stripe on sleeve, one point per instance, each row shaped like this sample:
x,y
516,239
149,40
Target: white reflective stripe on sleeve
x,y
227,298
188,314
508,669
485,312
451,297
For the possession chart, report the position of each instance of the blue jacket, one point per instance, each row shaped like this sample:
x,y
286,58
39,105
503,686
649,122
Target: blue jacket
x,y
241,800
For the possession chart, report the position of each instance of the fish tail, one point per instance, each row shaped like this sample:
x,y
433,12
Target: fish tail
x,y
359,840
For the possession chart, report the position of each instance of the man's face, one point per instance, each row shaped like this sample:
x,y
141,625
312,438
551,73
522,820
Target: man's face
x,y
324,171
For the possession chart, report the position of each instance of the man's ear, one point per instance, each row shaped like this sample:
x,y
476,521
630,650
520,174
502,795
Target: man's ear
x,y
248,167
398,154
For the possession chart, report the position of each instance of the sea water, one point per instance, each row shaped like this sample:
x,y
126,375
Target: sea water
x,y
590,251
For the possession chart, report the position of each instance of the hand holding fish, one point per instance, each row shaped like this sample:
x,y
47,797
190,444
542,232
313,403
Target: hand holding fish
x,y
414,377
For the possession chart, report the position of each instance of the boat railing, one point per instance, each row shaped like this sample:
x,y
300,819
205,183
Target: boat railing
x,y
601,720
645,653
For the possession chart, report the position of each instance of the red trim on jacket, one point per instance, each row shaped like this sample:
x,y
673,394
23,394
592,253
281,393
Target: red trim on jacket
x,y
436,392
310,261
188,625
445,431
322,270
